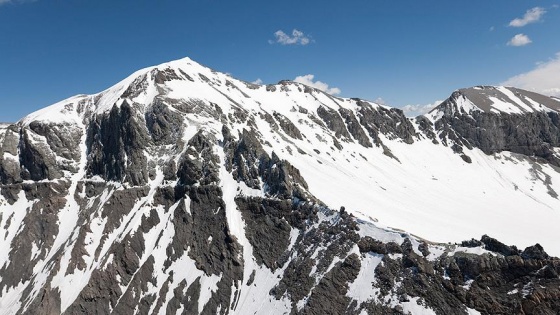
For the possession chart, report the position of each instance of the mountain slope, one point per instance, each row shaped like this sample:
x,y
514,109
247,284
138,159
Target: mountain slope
x,y
181,189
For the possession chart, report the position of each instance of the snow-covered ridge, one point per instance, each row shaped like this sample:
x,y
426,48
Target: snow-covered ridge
x,y
496,99
183,79
186,79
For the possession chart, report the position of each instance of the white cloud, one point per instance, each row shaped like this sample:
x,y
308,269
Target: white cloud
x,y
415,110
2,2
380,101
308,80
519,40
258,81
531,16
543,79
297,38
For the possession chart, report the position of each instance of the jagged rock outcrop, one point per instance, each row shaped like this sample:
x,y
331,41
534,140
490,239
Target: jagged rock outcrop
x,y
115,144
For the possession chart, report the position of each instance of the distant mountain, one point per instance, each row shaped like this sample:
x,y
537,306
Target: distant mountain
x,y
182,190
500,99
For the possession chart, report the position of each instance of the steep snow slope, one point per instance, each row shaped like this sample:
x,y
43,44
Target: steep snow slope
x,y
181,189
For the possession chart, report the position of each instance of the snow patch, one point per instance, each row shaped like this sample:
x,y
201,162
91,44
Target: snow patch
x,y
362,289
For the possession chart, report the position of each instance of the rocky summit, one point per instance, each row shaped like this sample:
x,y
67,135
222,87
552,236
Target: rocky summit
x,y
182,190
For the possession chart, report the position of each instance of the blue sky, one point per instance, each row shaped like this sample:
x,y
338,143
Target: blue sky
x,y
407,53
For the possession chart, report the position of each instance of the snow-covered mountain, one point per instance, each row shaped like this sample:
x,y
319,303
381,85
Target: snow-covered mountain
x,y
183,190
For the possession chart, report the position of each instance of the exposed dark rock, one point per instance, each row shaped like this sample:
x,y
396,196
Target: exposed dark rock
x,y
251,164
269,223
47,302
251,278
270,120
188,300
427,128
494,245
62,139
239,115
354,127
334,122
36,230
534,252
119,204
9,171
466,158
100,294
296,281
471,243
165,126
282,179
329,296
267,231
37,160
337,144
287,126
188,77
115,143
243,160
530,134
198,164
160,76
368,244
204,227
132,298
390,122
136,87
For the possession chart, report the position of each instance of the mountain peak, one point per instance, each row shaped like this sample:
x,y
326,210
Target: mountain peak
x,y
142,86
185,80
182,189
497,99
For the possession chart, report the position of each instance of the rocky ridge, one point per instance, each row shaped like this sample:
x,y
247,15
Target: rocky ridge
x,y
183,190
503,119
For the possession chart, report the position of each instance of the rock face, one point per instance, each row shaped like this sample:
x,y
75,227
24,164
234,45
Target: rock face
x,y
183,191
524,129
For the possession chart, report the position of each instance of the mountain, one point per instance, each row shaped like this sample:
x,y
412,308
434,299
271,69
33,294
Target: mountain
x,y
182,190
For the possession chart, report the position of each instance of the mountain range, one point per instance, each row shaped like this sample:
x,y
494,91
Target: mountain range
x,y
183,190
